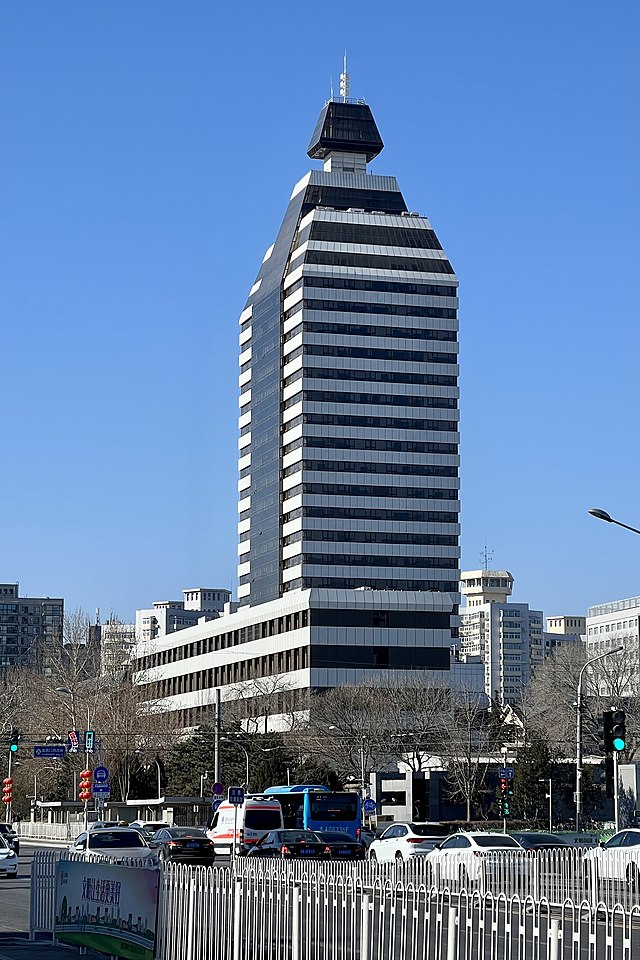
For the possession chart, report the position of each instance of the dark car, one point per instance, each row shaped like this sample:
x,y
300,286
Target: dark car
x,y
183,845
540,841
286,844
10,836
342,846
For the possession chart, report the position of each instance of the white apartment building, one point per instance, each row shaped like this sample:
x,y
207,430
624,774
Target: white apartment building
x,y
617,624
508,637
168,616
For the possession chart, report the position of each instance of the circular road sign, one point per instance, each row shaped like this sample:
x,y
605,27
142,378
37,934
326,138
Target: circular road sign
x,y
369,806
218,789
100,774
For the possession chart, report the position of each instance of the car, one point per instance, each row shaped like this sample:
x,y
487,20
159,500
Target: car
x,y
184,845
404,841
116,845
289,844
8,859
615,859
466,856
342,846
148,827
9,834
540,841
367,836
104,824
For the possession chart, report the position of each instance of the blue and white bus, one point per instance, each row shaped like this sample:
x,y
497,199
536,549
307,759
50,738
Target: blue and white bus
x,y
315,807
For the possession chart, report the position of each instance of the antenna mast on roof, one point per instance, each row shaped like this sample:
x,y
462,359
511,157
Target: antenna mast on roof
x,y
344,81
486,557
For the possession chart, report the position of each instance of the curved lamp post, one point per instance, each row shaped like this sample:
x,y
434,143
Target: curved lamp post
x,y
600,656
603,515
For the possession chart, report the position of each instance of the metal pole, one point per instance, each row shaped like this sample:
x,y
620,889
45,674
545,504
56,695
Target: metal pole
x,y
579,735
216,749
157,762
550,807
9,805
616,792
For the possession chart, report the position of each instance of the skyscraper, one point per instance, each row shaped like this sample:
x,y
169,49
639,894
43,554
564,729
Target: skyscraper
x,y
348,490
348,457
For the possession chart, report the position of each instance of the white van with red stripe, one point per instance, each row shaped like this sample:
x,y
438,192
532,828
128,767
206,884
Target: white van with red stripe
x,y
242,826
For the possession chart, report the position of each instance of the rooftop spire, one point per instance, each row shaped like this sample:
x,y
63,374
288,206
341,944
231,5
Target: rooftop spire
x,y
344,81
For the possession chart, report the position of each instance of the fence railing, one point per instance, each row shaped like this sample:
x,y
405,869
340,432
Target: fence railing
x,y
49,831
303,911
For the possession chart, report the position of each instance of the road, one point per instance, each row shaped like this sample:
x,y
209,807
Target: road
x,y
14,895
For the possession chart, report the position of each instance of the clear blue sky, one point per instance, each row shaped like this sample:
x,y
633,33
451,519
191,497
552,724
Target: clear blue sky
x,y
148,153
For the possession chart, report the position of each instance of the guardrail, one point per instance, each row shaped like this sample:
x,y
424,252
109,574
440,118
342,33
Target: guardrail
x,y
299,910
64,832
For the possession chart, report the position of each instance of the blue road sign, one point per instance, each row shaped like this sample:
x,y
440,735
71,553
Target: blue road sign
x,y
218,789
369,806
216,803
236,796
506,773
101,788
50,750
100,775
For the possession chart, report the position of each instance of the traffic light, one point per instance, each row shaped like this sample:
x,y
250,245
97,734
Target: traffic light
x,y
618,730
605,728
14,741
506,792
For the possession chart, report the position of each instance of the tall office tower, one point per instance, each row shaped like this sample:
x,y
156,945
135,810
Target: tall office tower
x,y
349,403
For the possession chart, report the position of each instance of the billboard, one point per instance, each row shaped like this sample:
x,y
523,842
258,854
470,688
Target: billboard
x,y
107,907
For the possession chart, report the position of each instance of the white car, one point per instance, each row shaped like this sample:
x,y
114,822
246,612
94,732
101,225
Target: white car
x,y
115,845
8,859
466,857
404,841
615,859
149,827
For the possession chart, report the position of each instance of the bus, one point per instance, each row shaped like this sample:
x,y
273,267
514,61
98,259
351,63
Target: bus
x,y
315,807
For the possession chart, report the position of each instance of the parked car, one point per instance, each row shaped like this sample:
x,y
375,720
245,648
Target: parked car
x,y
9,834
404,841
8,859
184,844
615,859
115,845
465,856
287,844
148,827
342,846
540,841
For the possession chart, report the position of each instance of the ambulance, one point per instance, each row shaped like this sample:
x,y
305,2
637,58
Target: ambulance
x,y
237,828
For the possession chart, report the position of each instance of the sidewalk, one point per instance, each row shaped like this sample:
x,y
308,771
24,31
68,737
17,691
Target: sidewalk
x,y
14,948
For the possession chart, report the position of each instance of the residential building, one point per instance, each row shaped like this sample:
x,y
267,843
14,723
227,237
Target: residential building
x,y
167,616
508,637
29,627
348,453
117,645
570,626
617,624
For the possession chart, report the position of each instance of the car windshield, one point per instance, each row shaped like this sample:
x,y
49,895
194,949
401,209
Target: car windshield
x,y
430,829
186,832
493,840
262,819
298,836
115,841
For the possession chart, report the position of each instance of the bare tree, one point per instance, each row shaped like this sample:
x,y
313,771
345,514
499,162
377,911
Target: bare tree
x,y
473,742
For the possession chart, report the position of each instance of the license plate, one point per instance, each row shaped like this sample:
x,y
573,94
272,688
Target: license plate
x,y
344,853
193,844
306,850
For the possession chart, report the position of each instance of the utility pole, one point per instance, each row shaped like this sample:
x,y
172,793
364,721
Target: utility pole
x,y
217,729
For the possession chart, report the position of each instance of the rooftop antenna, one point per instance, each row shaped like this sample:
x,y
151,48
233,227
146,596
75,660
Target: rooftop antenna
x,y
344,81
486,557
331,85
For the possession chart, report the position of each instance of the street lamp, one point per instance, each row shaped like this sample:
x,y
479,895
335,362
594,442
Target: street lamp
x,y
603,515
246,753
600,656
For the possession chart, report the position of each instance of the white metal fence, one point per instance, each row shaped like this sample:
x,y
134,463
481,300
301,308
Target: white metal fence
x,y
48,831
305,911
